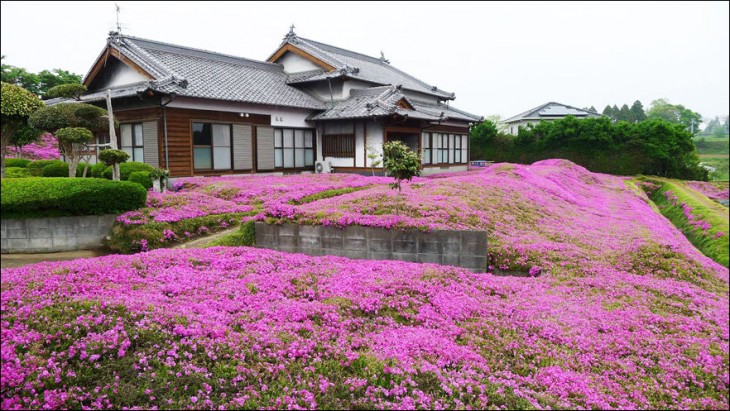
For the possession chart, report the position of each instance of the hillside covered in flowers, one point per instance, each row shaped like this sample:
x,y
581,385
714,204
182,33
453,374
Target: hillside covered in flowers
x,y
617,308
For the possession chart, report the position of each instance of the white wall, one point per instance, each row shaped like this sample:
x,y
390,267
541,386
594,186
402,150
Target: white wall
x,y
280,116
294,63
450,169
375,139
120,75
321,90
351,84
512,128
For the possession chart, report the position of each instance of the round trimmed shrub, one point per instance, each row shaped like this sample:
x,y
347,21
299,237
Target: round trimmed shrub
x,y
111,156
59,169
125,169
97,170
16,172
141,177
36,167
17,162
50,197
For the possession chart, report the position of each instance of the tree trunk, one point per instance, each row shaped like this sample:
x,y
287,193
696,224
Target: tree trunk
x,y
112,133
4,142
73,163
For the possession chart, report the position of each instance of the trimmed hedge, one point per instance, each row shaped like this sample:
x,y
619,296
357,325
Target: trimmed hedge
x,y
55,170
52,197
36,167
97,170
17,162
125,169
16,172
141,177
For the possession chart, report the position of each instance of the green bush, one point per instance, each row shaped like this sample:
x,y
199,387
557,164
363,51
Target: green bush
x,y
125,169
141,177
16,172
111,156
244,236
49,197
36,167
59,169
98,169
80,169
653,147
17,162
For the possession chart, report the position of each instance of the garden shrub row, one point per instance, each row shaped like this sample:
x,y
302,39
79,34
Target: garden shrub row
x,y
41,197
20,167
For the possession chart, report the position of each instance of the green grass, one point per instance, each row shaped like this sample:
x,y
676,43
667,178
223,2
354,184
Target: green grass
x,y
712,243
244,236
714,153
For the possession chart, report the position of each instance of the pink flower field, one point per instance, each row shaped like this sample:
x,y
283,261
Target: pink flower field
x,y
46,148
619,310
710,190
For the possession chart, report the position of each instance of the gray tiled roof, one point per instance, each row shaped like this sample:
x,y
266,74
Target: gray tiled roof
x,y
199,73
362,67
551,110
383,101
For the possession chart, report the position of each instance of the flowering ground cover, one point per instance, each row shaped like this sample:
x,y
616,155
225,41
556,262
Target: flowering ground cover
x,y
46,148
202,205
252,328
620,311
714,191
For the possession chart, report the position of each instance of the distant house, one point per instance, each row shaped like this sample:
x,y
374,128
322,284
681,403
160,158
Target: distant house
x,y
546,112
198,113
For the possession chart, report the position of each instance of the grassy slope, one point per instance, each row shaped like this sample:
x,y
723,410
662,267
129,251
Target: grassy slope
x,y
713,242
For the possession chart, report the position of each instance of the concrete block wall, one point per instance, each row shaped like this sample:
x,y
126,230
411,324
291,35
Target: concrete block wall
x,y
53,234
467,249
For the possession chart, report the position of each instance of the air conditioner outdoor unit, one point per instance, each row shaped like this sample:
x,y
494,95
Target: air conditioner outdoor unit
x,y
323,167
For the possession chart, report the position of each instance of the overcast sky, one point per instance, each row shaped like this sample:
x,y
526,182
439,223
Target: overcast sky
x,y
499,58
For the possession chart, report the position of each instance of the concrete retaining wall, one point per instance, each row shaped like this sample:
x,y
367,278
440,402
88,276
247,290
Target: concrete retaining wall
x,y
52,234
466,249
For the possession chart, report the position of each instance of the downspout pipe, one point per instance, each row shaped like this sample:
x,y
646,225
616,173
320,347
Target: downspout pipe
x,y
164,125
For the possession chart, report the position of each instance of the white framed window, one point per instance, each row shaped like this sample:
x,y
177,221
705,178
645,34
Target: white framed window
x,y
293,148
212,146
132,141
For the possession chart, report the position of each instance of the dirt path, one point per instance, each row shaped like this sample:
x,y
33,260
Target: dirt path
x,y
204,241
17,260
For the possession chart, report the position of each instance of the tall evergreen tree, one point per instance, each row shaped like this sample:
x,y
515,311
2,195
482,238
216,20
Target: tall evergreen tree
x,y
637,111
608,112
625,114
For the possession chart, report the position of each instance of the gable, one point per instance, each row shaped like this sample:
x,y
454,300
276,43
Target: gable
x,y
403,103
112,69
289,49
294,63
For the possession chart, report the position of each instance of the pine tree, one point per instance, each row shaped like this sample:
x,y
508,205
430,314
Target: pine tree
x,y
608,112
625,114
637,111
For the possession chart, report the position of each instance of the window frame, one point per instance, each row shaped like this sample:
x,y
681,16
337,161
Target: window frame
x,y
280,149
133,138
212,146
349,144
